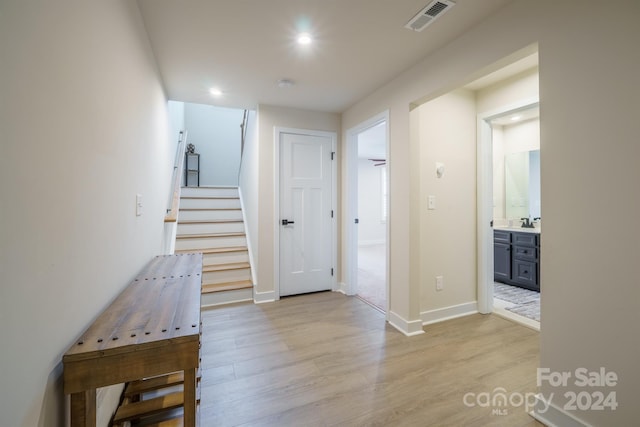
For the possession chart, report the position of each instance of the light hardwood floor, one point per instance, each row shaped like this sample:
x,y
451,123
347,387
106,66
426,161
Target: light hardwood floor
x,y
330,360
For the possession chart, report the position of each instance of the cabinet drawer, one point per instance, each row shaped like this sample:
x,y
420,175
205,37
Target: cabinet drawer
x,y
525,239
501,236
525,253
525,272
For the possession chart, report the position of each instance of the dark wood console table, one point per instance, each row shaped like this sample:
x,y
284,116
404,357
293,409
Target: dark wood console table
x,y
152,328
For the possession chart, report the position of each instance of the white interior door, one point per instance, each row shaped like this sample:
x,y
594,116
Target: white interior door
x,y
305,213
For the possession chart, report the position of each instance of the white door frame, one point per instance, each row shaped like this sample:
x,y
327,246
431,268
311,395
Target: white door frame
x,y
277,133
485,199
351,268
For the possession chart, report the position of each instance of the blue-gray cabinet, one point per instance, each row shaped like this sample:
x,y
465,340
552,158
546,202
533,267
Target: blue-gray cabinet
x,y
516,258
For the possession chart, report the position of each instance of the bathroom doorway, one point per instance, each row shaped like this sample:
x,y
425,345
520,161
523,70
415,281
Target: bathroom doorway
x,y
517,214
509,194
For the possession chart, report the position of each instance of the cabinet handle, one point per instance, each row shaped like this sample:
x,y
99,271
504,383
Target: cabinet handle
x,y
525,272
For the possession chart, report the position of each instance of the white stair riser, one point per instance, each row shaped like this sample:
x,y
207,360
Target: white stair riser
x,y
225,258
209,215
209,191
210,242
222,227
226,297
225,276
209,203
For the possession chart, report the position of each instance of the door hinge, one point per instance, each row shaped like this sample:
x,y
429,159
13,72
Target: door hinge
x,y
333,153
332,271
331,214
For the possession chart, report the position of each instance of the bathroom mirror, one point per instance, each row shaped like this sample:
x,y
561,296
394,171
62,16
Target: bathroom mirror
x,y
522,184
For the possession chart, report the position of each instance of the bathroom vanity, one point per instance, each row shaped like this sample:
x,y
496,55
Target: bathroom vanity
x,y
516,257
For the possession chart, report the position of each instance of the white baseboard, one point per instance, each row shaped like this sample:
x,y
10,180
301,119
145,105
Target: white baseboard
x,y
409,328
341,287
553,416
446,313
261,297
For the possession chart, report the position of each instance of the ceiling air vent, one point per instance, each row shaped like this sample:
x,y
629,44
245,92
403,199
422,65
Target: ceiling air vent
x,y
426,16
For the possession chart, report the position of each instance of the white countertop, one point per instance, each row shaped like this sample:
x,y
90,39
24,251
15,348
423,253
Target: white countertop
x,y
536,230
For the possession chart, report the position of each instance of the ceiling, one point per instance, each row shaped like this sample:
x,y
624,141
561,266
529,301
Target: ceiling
x,y
517,117
244,47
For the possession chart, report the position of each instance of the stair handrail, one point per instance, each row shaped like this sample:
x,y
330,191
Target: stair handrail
x,y
178,165
243,136
243,130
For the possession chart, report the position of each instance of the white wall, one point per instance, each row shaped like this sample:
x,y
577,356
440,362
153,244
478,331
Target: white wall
x,y
215,131
371,228
176,120
589,63
499,187
505,93
84,128
521,137
447,134
249,186
270,117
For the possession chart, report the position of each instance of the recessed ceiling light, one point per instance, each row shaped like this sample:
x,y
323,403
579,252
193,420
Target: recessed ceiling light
x,y
215,91
304,38
285,83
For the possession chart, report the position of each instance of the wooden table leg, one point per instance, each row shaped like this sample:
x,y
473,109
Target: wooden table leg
x,y
83,409
190,398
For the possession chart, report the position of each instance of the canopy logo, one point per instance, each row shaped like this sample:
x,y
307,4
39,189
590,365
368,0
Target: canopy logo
x,y
597,393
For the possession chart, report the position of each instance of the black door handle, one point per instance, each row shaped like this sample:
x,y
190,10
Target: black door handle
x,y
287,222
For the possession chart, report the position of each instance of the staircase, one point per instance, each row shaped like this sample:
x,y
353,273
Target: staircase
x,y
210,222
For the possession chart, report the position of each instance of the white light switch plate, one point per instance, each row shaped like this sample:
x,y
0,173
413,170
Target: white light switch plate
x,y
138,204
431,202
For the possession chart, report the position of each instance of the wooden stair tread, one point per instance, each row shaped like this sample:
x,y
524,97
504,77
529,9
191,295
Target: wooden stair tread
x,y
209,235
210,209
210,197
209,221
148,407
208,288
155,383
213,250
211,187
223,267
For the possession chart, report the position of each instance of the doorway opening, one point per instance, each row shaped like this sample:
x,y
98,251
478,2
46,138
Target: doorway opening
x,y
368,217
509,210
515,142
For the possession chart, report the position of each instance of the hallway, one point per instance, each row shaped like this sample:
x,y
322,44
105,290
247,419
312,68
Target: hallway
x,y
325,359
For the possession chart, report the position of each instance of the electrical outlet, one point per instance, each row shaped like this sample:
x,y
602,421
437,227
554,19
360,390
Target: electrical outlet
x,y
439,283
